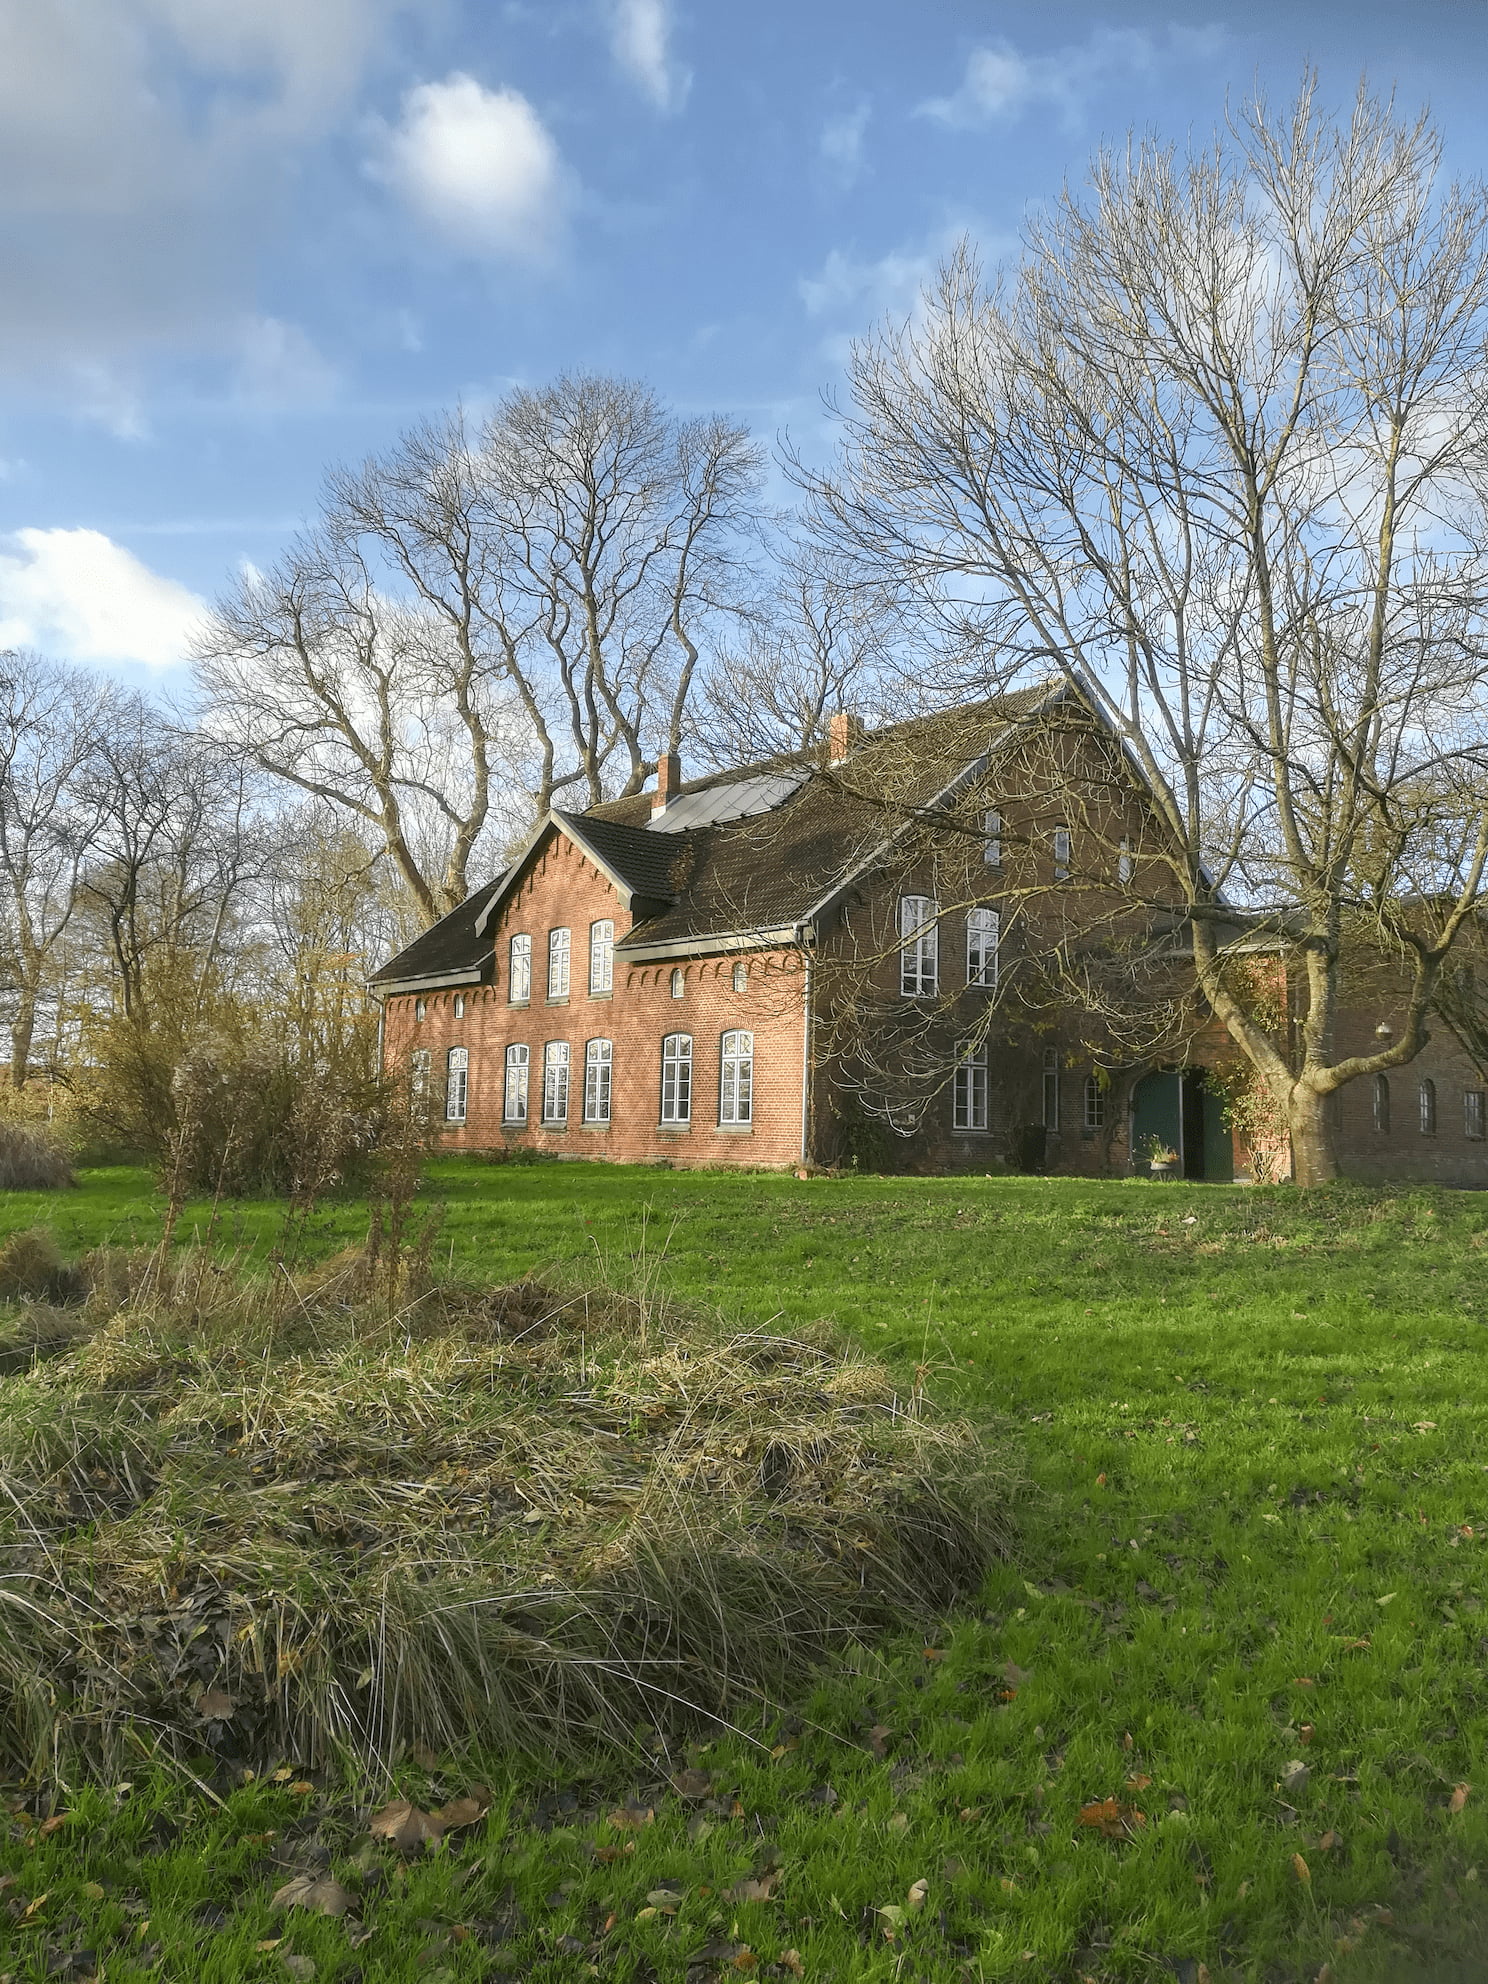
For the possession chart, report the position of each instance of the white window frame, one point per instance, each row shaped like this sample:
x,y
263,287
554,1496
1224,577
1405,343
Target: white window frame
x,y
459,1005
515,1083
560,954
602,955
1095,1103
556,1059
1426,1102
1063,846
741,977
1126,863
983,935
919,954
419,1074
1051,1096
519,969
969,1105
1474,1114
992,839
736,1078
420,1010
599,1067
456,1084
677,985
676,1078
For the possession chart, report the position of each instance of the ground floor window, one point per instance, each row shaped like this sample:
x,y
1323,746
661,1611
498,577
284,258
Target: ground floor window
x,y
1095,1103
514,1099
456,1084
555,1082
1428,1109
1382,1105
599,1060
969,1104
736,1078
1473,1112
418,1073
676,1078
1051,1088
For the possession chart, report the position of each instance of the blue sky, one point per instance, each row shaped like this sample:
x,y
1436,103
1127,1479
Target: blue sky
x,y
245,238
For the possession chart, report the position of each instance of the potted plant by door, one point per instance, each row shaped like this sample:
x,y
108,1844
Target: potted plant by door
x,y
1162,1159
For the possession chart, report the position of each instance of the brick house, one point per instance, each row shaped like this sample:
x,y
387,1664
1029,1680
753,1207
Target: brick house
x,y
675,976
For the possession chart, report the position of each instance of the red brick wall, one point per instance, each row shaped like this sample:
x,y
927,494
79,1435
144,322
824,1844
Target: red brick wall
x,y
564,888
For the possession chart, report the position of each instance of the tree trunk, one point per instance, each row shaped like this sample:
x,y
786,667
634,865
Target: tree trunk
x,y
1314,1161
22,1028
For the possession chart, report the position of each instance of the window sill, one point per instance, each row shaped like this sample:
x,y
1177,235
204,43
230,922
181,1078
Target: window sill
x,y
734,1129
602,995
519,1004
674,1129
554,1128
514,1122
556,999
596,1129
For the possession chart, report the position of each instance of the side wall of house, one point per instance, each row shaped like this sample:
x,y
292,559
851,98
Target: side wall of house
x,y
564,889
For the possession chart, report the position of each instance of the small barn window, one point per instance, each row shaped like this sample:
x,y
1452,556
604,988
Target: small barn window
x,y
1051,1088
559,943
456,1084
1061,854
736,1078
981,947
992,839
741,977
420,1011
969,1101
602,955
519,971
459,1005
555,1082
919,957
676,1078
678,982
1382,1105
599,1058
1095,1103
1473,1112
1125,865
514,1095
1428,1109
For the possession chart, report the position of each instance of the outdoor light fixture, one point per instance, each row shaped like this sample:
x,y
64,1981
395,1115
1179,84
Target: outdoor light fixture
x,y
1383,1030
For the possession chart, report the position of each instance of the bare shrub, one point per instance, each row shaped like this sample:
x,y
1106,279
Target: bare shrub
x,y
32,1160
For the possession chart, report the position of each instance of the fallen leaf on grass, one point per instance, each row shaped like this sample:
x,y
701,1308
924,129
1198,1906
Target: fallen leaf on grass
x,y
1015,1675
692,1784
1387,1597
1294,1775
878,1739
1458,1798
1306,1733
1301,1869
1112,1817
1329,1842
212,1705
54,1824
608,1855
464,1811
269,1943
302,1967
932,1653
403,1825
899,1822
34,1907
302,1788
630,1818
760,1888
791,1961
318,1892
1140,1782
665,1901
916,1896
94,1890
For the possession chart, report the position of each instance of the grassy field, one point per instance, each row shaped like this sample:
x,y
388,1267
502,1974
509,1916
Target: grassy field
x,y
1246,1608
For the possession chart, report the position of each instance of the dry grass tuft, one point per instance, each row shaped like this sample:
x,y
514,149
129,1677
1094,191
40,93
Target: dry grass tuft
x,y
32,1160
312,1517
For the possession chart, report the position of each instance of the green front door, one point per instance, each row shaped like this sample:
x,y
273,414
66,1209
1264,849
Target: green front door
x,y
1157,1111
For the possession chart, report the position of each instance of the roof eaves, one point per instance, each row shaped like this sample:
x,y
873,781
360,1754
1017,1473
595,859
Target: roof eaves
x,y
713,943
430,981
564,823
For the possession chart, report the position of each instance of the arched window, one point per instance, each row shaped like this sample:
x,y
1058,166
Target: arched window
x,y
1051,1088
679,982
992,839
1382,1105
555,1082
602,956
519,971
920,953
1061,854
981,947
420,1011
969,1100
741,977
559,942
456,1084
1095,1103
1428,1109
736,1079
599,1058
676,1078
418,1073
459,1005
514,1095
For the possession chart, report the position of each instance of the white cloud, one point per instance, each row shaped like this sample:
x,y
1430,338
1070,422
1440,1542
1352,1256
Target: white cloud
x,y
279,365
78,595
841,143
479,165
1000,81
845,285
640,31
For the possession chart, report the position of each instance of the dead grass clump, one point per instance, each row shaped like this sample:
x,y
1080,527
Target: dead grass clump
x,y
32,1160
289,1518
32,1270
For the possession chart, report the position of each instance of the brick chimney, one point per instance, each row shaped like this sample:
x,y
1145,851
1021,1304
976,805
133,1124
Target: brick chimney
x,y
668,778
843,731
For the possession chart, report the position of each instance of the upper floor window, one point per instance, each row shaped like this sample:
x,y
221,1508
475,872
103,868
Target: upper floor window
x,y
558,949
514,1095
981,947
736,1078
1125,863
519,971
1051,1088
602,956
418,1073
1472,1112
919,957
992,839
676,1078
456,1084
459,1005
599,1061
1428,1109
969,1101
1382,1105
555,1082
1061,854
1095,1103
678,982
420,1010
741,977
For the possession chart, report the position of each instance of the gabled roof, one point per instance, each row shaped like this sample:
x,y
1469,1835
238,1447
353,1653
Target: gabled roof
x,y
449,952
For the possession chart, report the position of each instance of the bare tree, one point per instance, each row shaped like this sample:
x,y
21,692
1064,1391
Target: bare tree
x,y
51,721
1214,454
486,619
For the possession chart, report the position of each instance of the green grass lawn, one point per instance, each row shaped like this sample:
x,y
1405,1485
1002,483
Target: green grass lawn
x,y
1253,1421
